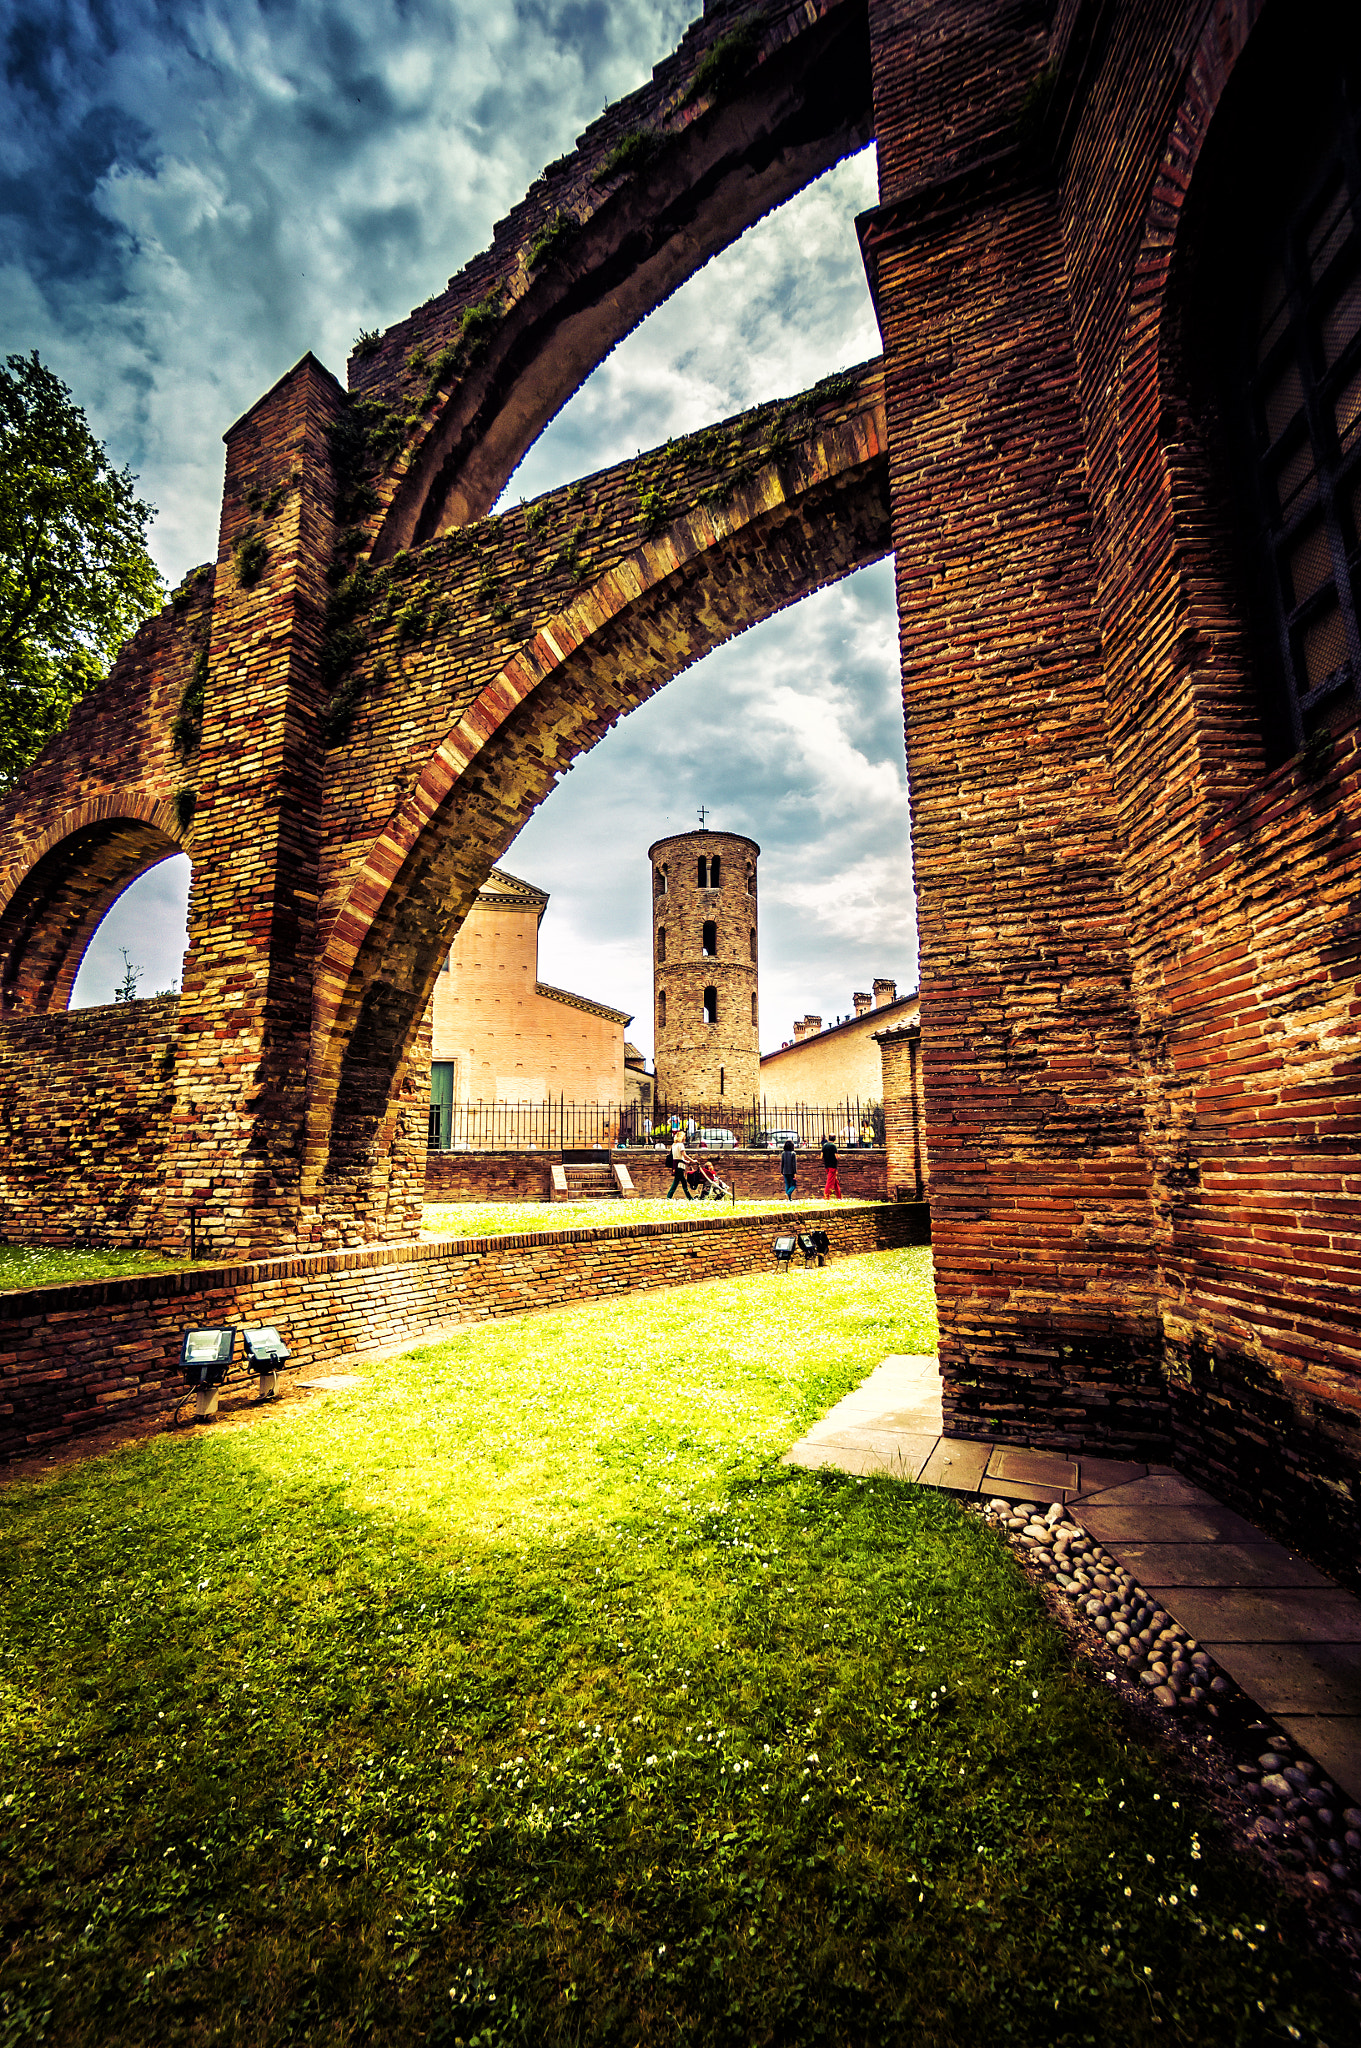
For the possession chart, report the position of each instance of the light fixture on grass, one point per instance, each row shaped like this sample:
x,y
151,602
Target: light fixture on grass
x,y
784,1248
266,1351
205,1360
814,1244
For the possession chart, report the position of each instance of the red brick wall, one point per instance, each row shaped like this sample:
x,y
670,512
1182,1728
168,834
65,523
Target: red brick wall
x,y
73,1357
523,1176
86,1099
489,1176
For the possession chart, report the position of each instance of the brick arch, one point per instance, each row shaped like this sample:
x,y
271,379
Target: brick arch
x,y
75,869
797,526
728,159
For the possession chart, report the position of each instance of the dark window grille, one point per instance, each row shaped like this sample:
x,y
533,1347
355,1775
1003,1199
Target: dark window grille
x,y
1303,382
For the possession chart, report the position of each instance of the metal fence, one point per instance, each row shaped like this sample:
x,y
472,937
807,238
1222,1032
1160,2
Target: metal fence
x,y
562,1126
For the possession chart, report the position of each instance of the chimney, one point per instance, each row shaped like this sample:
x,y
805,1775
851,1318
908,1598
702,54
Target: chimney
x,y
811,1025
862,1002
884,992
800,1030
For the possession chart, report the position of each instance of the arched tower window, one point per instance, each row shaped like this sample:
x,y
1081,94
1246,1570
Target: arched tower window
x,y
661,1009
714,866
661,942
709,940
659,881
751,879
711,1006
753,1006
703,872
752,937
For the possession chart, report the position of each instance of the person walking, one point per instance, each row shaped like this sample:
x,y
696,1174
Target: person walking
x,y
678,1159
788,1167
833,1186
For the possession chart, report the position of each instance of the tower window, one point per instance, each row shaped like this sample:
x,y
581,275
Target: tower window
x,y
661,1009
752,936
721,1081
709,940
1303,377
703,872
714,865
711,1006
661,942
659,881
751,879
753,1006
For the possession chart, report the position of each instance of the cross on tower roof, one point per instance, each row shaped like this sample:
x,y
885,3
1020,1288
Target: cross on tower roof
x,y
702,814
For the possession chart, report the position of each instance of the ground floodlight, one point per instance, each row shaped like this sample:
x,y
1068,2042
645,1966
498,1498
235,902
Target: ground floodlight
x,y
266,1351
814,1245
205,1359
784,1248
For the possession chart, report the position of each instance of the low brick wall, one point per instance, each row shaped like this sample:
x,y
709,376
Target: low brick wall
x,y
72,1358
524,1176
489,1176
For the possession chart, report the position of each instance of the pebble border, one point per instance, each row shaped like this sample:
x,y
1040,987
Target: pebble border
x,y
1302,1822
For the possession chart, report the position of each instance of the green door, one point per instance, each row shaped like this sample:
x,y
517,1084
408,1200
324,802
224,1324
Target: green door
x,y
441,1105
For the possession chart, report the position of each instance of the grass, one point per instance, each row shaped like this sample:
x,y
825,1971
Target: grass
x,y
44,1266
498,1219
521,1695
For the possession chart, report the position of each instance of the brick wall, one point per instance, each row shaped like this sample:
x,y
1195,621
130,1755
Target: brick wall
x,y
73,1357
696,1061
86,1099
523,1176
907,1175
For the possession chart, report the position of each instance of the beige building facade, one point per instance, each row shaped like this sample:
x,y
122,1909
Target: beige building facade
x,y
838,1062
499,1034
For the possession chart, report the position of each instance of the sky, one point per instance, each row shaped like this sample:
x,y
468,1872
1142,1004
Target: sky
x,y
193,195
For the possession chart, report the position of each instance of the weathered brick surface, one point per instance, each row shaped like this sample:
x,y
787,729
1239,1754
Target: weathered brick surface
x,y
72,1356
86,1100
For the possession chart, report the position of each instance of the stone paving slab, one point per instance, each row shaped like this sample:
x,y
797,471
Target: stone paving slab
x,y
1151,1524
956,1464
1334,1741
1040,1468
1157,1489
866,1464
895,1447
1099,1473
1217,1564
1224,1614
1297,1678
1007,1489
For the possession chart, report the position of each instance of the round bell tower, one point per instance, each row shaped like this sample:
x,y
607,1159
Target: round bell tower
x,y
704,968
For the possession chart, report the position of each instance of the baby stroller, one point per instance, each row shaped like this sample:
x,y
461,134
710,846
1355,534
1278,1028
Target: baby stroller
x,y
706,1183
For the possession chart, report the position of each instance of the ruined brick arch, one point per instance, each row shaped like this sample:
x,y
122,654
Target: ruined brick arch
x,y
52,904
799,525
726,159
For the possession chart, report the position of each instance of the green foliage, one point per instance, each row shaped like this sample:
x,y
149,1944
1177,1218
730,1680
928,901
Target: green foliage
x,y
126,991
249,557
186,803
478,325
187,726
367,342
520,1694
568,558
653,503
363,438
551,239
721,70
633,152
75,575
536,518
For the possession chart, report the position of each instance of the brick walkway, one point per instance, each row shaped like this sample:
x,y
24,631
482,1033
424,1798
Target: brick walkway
x,y
1283,1631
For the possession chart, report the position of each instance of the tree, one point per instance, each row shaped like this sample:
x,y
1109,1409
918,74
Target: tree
x,y
75,575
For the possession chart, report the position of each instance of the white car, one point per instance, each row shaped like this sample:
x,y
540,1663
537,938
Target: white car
x,y
716,1141
775,1140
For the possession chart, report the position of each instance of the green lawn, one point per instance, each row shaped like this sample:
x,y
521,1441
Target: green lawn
x,y
520,1695
496,1219
45,1266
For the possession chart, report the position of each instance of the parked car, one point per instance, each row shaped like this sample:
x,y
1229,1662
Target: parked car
x,y
775,1140
715,1141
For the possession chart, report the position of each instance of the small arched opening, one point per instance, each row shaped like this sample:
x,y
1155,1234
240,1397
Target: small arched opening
x,y
661,942
709,940
711,1005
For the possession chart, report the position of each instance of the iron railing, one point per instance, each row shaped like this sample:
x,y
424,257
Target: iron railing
x,y
561,1126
